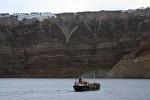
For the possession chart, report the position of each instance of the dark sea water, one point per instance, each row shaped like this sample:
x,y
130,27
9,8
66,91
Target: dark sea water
x,y
61,89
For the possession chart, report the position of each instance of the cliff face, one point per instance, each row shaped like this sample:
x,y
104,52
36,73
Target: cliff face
x,y
137,63
62,46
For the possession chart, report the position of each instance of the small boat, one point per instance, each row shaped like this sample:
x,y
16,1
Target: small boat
x,y
81,85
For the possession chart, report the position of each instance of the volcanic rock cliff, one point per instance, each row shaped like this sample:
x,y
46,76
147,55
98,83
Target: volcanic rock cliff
x,y
105,43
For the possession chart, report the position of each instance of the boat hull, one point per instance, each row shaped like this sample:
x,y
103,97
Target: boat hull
x,y
81,88
85,88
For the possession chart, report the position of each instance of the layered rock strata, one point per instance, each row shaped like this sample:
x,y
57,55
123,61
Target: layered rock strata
x,y
60,47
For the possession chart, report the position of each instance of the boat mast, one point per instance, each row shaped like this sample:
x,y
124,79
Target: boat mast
x,y
81,72
94,78
80,78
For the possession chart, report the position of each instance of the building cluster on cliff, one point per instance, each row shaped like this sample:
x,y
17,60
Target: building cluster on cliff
x,y
44,15
37,15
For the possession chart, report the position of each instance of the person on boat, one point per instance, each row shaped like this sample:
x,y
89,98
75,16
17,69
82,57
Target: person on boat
x,y
80,80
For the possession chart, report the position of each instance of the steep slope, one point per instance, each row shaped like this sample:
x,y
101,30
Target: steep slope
x,y
136,64
62,46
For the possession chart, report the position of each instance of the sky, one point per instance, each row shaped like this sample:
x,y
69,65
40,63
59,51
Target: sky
x,y
60,6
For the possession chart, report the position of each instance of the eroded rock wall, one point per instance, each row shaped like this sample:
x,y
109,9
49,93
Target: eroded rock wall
x,y
62,46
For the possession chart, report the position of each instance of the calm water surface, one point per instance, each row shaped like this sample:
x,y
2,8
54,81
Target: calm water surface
x,y
61,89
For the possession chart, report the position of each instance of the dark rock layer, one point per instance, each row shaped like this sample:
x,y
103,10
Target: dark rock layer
x,y
92,41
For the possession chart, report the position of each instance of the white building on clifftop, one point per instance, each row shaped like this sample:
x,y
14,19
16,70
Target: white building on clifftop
x,y
37,15
4,15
